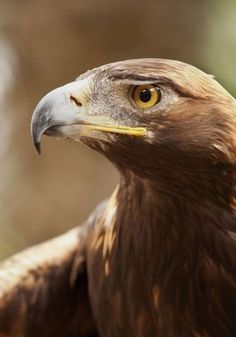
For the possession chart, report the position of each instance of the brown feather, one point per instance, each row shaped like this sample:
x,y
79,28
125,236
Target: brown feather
x,y
40,295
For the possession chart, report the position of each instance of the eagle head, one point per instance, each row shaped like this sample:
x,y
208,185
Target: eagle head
x,y
163,120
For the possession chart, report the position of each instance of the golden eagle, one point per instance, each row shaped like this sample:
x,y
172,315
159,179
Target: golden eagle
x,y
159,258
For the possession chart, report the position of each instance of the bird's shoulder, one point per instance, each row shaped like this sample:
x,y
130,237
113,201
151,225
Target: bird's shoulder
x,y
96,214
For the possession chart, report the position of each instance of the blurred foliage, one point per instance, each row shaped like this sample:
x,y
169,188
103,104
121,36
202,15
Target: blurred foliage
x,y
221,43
46,43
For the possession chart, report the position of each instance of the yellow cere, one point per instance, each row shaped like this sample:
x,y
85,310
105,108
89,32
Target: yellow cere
x,y
132,131
146,96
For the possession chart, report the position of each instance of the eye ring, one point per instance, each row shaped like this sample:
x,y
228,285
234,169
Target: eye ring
x,y
146,96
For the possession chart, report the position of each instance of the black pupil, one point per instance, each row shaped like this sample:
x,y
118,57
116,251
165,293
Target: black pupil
x,y
145,95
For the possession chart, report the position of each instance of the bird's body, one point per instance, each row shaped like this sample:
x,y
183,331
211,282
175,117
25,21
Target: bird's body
x,y
159,258
152,276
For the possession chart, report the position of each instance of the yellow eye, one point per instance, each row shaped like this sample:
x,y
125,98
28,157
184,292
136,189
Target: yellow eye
x,y
145,96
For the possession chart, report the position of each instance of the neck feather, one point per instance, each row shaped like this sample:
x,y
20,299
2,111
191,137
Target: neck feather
x,y
172,228
179,254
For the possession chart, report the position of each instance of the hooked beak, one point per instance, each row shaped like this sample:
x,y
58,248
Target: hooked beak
x,y
57,108
62,113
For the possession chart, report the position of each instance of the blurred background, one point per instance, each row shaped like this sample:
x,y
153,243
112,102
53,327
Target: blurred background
x,y
46,43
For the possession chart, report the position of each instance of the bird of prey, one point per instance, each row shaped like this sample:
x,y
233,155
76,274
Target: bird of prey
x,y
158,259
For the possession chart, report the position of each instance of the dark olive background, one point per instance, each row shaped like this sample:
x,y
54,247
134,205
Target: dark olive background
x,y
44,44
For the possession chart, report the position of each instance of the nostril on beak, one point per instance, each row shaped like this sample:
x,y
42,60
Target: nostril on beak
x,y
75,100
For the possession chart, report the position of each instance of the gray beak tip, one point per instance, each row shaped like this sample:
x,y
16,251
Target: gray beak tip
x,y
53,110
37,147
